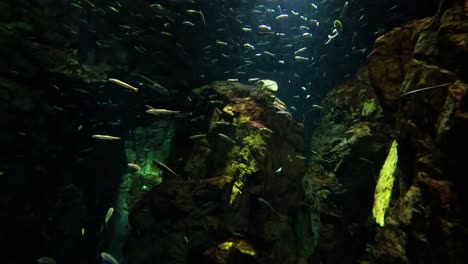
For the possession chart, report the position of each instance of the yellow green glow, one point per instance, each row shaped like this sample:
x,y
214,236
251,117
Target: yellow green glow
x,y
383,190
225,245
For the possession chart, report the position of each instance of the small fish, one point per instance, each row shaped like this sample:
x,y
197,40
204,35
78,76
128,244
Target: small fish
x,y
224,123
300,50
198,136
245,29
108,258
217,101
269,206
318,107
226,138
134,166
105,137
123,84
300,157
283,16
109,214
166,34
46,260
83,230
186,239
300,58
202,17
279,170
235,234
162,112
113,9
198,118
264,27
249,46
269,53
188,23
232,80
283,112
253,79
220,43
157,7
164,167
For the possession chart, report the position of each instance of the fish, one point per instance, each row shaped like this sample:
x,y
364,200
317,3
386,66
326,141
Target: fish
x,y
300,50
224,123
344,9
83,231
198,136
186,239
202,17
279,170
188,23
261,200
232,80
162,112
108,258
109,214
226,138
253,79
318,107
164,167
123,84
221,43
153,85
300,157
264,27
249,46
134,166
198,118
105,137
282,16
46,260
300,58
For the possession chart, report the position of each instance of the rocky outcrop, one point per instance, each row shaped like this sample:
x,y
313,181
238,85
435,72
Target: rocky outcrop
x,y
412,90
236,193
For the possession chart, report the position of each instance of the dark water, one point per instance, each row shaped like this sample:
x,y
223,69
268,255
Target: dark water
x,y
180,44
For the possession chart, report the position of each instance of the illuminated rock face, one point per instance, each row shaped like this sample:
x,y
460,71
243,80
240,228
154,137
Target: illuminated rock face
x,y
413,90
227,200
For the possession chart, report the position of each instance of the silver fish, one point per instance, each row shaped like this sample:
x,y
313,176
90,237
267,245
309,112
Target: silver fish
x,y
226,138
109,258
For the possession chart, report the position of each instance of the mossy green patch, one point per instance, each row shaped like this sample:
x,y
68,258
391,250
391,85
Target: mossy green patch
x,y
383,190
243,158
368,107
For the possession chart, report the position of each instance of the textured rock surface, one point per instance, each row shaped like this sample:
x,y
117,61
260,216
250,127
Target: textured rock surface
x,y
227,204
426,219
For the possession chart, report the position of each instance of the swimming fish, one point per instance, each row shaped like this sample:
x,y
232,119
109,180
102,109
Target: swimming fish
x,y
123,84
226,138
198,136
108,258
134,166
164,167
109,214
105,137
162,112
269,206
46,260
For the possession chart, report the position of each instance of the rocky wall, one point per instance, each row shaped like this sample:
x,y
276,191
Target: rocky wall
x,y
413,90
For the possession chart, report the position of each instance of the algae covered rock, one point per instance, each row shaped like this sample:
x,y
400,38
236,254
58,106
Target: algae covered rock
x,y
228,201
